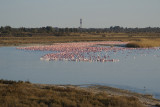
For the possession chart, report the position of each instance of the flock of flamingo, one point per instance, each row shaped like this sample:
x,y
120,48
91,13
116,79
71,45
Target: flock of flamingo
x,y
80,51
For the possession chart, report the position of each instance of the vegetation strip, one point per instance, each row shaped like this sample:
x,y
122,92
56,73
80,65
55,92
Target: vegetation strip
x,y
25,94
144,43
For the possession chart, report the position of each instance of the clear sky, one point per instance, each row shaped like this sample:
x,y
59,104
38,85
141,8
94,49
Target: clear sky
x,y
67,13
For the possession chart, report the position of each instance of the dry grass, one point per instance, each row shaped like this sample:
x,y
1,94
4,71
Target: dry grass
x,y
45,40
20,94
76,37
145,43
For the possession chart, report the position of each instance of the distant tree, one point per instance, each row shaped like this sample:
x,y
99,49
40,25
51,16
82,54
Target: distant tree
x,y
66,30
2,29
22,29
8,28
75,29
34,30
49,29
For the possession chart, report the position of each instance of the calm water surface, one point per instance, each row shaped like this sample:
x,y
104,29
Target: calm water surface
x,y
137,70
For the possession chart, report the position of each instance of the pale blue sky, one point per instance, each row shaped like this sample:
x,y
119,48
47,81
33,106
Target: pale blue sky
x,y
67,13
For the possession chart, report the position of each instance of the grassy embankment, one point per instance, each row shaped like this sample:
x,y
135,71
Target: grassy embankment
x,y
25,94
135,39
145,43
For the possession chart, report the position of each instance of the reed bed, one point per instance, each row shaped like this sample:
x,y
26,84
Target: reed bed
x,y
144,43
77,37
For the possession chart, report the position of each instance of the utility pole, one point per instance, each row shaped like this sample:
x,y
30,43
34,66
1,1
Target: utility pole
x,y
80,23
80,27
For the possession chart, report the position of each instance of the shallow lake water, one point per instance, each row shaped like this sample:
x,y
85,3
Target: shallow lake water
x,y
137,70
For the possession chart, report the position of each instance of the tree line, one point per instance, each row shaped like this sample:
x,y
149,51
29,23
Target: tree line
x,y
22,31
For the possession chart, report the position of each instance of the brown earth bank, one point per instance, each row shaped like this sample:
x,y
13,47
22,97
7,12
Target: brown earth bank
x,y
26,94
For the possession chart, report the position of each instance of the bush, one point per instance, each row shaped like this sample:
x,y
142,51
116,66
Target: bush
x,y
22,94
